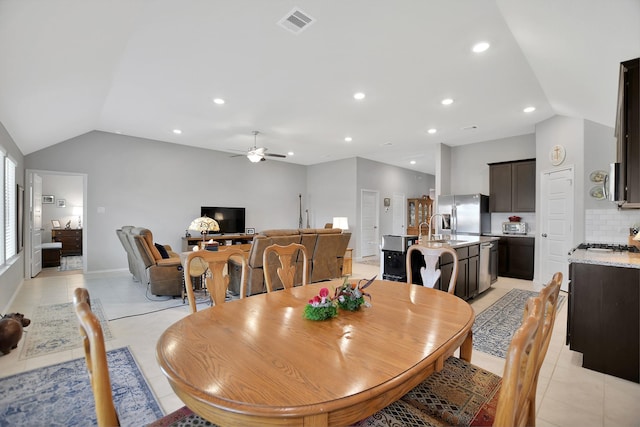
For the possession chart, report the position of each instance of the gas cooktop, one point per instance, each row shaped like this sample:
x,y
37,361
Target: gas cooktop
x,y
606,247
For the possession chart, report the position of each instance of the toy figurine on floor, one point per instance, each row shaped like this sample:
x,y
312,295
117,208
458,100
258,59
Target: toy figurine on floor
x,y
68,226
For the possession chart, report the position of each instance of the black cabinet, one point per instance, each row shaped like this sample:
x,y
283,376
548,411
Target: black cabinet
x,y
468,271
516,257
603,321
512,186
628,127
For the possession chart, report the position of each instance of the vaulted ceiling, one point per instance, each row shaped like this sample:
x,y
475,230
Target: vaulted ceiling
x,y
147,67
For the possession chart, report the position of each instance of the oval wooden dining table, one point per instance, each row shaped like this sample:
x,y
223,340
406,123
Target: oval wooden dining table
x,y
257,361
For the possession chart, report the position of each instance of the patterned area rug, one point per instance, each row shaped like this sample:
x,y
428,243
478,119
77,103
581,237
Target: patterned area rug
x,y
61,394
494,327
55,328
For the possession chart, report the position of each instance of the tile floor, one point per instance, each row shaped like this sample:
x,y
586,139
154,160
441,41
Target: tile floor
x,y
568,395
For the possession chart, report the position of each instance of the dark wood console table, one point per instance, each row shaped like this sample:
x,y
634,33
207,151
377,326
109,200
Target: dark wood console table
x,y
222,239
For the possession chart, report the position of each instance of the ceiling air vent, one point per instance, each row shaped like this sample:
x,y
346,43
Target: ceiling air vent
x,y
296,21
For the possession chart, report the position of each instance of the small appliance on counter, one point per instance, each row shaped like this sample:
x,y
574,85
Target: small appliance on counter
x,y
512,227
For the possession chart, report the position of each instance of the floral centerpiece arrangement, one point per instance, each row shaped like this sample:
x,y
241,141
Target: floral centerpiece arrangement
x,y
350,296
321,306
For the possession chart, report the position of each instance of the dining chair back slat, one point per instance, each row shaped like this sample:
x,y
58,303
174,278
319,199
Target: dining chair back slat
x,y
287,257
214,266
429,273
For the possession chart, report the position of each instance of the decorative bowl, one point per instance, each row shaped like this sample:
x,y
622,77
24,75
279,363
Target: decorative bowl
x,y
515,218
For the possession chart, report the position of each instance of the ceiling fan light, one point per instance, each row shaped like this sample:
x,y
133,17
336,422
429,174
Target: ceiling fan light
x,y
254,157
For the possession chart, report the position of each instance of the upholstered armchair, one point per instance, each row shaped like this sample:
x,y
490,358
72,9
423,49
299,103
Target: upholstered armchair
x,y
164,275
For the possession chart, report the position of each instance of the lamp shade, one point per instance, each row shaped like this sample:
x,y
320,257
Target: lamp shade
x,y
204,224
341,222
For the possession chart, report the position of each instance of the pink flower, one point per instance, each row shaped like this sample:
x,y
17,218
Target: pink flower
x,y
324,292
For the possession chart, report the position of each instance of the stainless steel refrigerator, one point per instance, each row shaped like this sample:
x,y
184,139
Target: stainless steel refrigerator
x,y
466,214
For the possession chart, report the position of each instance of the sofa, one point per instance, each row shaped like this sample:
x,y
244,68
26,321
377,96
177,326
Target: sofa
x,y
161,271
325,248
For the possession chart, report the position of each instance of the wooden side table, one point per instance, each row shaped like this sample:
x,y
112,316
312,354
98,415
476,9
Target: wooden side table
x,y
346,265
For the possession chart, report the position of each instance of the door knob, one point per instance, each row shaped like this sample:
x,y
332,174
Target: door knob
x,y
544,234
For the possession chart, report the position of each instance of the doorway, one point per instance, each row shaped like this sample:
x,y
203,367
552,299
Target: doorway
x,y
556,234
369,241
57,213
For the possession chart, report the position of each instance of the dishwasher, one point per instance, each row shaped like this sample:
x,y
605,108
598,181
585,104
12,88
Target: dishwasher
x,y
484,281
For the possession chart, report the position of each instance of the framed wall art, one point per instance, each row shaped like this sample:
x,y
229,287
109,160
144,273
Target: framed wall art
x,y
61,203
48,199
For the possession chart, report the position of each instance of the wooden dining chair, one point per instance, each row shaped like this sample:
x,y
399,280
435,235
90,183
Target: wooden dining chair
x,y
214,266
465,394
430,274
288,259
96,358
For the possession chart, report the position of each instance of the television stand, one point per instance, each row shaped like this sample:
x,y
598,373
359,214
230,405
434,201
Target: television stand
x,y
222,239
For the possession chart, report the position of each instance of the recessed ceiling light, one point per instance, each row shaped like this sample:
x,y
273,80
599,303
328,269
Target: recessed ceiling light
x,y
359,95
177,131
529,109
218,101
480,47
447,101
387,144
348,139
413,162
290,153
432,131
119,132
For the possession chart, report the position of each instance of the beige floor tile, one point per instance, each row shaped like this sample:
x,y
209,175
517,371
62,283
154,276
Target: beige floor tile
x,y
568,395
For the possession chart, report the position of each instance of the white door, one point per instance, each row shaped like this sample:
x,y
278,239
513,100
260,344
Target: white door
x,y
399,207
369,240
35,222
556,234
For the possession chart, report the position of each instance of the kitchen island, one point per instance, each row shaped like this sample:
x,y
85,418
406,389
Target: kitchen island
x,y
477,264
603,321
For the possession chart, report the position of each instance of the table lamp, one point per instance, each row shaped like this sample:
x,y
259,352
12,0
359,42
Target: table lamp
x,y
341,222
204,224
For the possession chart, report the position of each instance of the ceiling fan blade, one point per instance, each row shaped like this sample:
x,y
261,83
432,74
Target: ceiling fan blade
x,y
281,156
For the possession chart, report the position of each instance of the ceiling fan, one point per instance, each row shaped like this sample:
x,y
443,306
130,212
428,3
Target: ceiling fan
x,y
257,154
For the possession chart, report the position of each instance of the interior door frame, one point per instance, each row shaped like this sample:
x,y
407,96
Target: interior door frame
x,y
377,220
543,252
29,219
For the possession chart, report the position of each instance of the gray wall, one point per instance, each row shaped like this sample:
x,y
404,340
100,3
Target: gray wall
x,y
11,275
469,169
599,152
135,181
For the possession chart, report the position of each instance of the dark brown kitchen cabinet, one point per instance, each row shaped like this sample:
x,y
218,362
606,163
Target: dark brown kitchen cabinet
x,y
603,321
516,257
512,186
71,241
468,271
628,128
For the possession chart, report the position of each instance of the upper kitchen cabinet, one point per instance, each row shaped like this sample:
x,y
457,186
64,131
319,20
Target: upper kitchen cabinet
x,y
513,186
628,128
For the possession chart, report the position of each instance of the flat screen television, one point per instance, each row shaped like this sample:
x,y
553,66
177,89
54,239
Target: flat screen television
x,y
230,220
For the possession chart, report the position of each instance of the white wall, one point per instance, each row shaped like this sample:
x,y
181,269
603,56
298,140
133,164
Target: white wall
x,y
68,188
135,181
11,275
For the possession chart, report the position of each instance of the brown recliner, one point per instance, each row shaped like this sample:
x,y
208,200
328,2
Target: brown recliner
x,y
164,275
327,245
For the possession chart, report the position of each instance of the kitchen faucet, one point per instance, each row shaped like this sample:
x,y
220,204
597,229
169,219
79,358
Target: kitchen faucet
x,y
431,224
420,230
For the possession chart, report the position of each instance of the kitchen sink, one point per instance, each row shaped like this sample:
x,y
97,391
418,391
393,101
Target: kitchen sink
x,y
448,242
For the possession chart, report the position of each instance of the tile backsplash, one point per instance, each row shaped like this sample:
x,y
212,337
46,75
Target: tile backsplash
x,y
609,225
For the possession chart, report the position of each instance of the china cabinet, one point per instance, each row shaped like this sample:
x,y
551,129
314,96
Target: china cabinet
x,y
418,211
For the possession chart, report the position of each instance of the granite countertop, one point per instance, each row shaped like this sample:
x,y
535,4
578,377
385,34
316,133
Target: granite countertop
x,y
459,241
614,259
